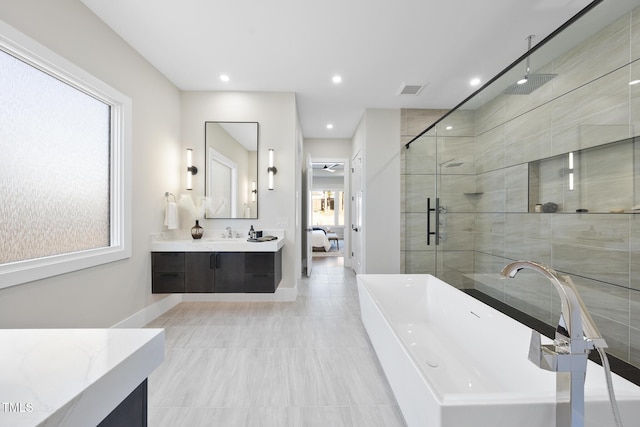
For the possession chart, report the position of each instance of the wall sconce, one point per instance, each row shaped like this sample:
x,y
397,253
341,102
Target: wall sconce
x,y
191,170
254,191
271,170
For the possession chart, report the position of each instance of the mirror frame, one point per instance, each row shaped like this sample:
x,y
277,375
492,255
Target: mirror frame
x,y
235,181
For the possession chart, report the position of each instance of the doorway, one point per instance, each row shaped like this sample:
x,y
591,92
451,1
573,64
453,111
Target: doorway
x,y
327,210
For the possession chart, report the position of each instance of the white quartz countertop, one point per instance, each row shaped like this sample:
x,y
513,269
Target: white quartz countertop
x,y
72,377
165,242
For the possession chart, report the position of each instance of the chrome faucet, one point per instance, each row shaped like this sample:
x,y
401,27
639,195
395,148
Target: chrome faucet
x,y
576,335
229,232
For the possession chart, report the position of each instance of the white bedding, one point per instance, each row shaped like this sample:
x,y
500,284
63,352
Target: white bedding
x,y
319,240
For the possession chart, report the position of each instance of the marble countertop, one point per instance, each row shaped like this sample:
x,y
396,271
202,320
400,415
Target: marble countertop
x,y
212,242
72,377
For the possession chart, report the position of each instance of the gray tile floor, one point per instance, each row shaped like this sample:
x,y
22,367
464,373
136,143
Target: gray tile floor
x,y
283,364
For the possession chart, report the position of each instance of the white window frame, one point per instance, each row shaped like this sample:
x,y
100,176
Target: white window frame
x,y
28,50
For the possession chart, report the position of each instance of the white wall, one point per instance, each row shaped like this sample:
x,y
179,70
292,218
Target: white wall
x,y
378,139
107,294
327,148
276,112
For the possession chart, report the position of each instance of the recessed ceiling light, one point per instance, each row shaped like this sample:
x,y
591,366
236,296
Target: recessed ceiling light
x,y
634,82
224,78
336,79
449,127
474,82
329,126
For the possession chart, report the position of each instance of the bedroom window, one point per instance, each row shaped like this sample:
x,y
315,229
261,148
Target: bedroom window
x,y
328,207
64,139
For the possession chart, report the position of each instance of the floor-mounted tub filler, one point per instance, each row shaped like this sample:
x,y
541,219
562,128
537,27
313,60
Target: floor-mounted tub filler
x,y
454,361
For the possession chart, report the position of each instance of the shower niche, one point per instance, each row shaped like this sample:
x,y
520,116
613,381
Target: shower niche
x,y
602,179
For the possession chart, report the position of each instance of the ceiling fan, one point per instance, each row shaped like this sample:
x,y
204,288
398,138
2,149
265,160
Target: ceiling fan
x,y
330,168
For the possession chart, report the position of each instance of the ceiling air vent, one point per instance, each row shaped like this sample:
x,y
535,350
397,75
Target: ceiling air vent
x,y
406,89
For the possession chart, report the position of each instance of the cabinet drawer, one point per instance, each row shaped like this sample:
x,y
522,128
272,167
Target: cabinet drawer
x,y
167,262
259,282
166,283
259,262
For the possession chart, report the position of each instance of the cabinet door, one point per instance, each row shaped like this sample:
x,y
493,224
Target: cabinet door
x,y
229,272
199,271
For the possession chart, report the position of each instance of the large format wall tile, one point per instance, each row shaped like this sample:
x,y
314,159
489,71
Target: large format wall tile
x,y
420,156
414,121
417,189
457,231
593,114
598,55
528,137
456,155
600,264
607,231
491,115
416,231
459,123
490,151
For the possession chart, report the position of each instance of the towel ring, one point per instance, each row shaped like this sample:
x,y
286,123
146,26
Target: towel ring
x,y
167,195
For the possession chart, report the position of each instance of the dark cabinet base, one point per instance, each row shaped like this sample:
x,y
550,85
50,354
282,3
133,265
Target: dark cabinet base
x,y
131,412
219,272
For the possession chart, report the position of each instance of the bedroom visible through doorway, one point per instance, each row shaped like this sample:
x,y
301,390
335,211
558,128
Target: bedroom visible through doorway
x,y
328,205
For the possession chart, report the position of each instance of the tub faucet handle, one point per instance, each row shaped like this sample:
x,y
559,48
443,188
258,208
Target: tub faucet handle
x,y
541,356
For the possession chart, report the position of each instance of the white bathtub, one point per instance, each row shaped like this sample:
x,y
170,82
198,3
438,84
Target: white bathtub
x,y
454,361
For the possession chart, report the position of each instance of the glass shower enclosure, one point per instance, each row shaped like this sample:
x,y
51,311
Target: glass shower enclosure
x,y
548,174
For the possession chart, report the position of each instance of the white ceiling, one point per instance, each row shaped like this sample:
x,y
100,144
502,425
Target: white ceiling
x,y
299,45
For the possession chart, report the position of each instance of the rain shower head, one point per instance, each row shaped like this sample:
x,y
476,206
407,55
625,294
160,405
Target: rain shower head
x,y
533,82
529,82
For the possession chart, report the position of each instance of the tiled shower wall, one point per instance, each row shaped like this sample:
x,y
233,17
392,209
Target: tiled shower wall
x,y
483,185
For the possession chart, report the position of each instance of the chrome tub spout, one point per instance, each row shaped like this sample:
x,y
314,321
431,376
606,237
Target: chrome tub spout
x,y
576,335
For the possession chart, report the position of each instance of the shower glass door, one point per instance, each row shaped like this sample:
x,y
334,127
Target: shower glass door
x,y
439,197
457,195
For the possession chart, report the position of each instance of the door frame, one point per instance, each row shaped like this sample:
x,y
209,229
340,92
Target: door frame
x,y
347,195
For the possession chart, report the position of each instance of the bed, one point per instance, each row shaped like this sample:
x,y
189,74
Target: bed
x,y
319,240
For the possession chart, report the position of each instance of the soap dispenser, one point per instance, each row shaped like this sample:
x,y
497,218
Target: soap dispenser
x,y
252,233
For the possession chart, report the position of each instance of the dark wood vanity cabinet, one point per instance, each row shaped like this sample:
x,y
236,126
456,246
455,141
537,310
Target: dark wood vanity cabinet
x,y
220,272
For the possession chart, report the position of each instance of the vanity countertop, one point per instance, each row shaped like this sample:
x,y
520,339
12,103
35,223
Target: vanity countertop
x,y
72,377
166,242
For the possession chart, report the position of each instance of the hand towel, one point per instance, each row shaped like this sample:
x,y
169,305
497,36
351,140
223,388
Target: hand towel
x,y
171,216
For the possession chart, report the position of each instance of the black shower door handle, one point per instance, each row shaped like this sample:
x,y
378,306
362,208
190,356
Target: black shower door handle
x,y
436,232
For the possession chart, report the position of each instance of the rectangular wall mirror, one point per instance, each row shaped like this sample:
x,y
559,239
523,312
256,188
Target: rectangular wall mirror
x,y
231,177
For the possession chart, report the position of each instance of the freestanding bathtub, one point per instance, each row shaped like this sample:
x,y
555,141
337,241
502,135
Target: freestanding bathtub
x,y
453,361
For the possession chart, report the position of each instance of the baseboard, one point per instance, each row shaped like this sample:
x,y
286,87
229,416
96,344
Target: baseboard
x,y
281,294
150,312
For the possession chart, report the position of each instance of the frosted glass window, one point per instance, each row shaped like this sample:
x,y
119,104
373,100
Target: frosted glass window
x,y
65,168
54,168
